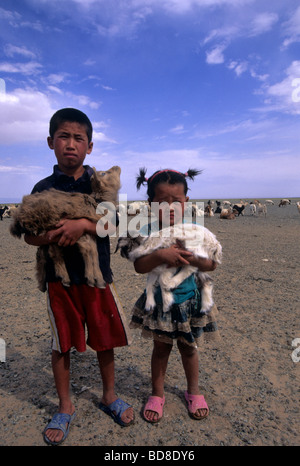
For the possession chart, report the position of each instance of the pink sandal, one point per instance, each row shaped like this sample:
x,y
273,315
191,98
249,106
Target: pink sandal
x,y
196,402
155,404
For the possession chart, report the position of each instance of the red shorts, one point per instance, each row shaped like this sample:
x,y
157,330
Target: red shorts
x,y
74,309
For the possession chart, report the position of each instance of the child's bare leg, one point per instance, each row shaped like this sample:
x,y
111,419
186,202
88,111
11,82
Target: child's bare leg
x,y
107,369
159,362
61,372
190,361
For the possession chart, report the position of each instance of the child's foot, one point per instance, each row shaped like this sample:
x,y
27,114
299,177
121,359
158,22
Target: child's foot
x,y
126,416
153,410
197,406
55,436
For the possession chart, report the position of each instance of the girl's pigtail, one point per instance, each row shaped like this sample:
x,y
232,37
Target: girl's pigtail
x,y
141,178
191,173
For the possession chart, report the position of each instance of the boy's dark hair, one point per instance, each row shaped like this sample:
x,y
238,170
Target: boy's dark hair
x,y
164,176
72,115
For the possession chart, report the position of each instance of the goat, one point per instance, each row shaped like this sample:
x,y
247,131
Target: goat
x,y
40,212
194,238
238,209
227,214
2,210
298,207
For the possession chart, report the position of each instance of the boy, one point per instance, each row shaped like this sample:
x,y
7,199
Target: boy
x,y
71,307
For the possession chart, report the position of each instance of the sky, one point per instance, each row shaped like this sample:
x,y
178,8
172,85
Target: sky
x,y
206,84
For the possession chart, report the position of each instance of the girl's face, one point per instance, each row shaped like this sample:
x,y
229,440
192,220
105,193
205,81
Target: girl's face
x,y
171,198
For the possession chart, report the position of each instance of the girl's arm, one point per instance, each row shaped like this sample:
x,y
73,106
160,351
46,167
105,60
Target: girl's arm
x,y
204,265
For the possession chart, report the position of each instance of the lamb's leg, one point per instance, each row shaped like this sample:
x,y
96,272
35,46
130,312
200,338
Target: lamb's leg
x,y
150,301
171,281
167,297
88,249
55,252
207,296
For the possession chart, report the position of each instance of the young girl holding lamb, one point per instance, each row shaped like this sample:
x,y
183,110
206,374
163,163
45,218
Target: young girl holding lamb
x,y
183,321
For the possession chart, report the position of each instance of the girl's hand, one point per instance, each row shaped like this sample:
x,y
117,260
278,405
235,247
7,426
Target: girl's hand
x,y
175,256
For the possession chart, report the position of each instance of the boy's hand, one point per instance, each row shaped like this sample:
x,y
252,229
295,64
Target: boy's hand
x,y
68,232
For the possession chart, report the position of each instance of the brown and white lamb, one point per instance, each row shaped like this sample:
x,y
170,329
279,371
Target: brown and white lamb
x,y
40,212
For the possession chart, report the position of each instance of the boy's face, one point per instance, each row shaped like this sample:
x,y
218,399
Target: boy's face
x,y
70,144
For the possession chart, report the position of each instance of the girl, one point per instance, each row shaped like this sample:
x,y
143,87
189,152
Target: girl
x,y
183,321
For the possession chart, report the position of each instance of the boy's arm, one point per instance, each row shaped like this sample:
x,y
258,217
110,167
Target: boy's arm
x,y
67,233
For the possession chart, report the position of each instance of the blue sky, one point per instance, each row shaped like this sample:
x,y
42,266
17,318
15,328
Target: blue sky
x,y
208,84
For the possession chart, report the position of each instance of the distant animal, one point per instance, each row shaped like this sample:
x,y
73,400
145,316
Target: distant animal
x,y
40,212
252,209
269,201
262,209
227,214
284,202
192,237
2,210
238,209
298,207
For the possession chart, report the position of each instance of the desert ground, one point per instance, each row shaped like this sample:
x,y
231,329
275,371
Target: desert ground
x,y
250,377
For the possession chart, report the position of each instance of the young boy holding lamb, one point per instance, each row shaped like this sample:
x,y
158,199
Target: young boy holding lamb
x,y
79,304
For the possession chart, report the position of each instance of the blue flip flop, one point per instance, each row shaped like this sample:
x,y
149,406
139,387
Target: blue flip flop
x,y
60,421
115,410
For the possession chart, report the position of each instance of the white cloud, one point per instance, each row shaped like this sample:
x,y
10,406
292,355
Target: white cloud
x,y
24,116
284,94
262,23
292,28
239,68
29,68
215,56
12,50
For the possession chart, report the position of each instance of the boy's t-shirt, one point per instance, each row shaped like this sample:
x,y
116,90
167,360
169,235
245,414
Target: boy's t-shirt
x,y
73,259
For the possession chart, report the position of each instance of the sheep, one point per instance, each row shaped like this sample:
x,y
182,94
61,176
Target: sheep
x,y
2,210
269,201
298,207
194,238
252,209
40,212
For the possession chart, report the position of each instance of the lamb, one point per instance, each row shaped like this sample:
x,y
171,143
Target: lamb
x,y
194,238
40,212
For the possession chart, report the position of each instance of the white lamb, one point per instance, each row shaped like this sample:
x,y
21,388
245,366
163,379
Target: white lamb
x,y
194,238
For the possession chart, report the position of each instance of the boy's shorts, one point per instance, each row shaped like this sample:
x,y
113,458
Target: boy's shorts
x,y
76,308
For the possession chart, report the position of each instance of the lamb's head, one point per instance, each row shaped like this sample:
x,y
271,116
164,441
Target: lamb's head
x,y
106,184
127,245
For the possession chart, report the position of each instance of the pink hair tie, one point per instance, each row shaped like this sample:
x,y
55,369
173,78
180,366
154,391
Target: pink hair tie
x,y
186,174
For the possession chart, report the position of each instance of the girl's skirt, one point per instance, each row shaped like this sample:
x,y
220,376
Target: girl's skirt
x,y
184,322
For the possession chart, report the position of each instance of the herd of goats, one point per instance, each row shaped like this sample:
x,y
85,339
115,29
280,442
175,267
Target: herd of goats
x,y
225,209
